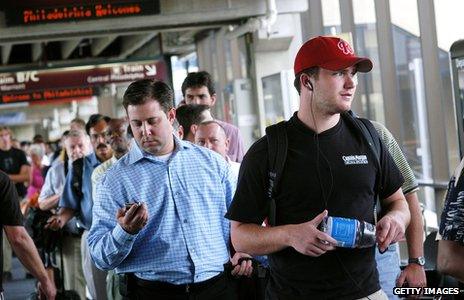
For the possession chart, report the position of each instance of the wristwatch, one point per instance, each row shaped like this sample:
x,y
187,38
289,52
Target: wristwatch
x,y
420,261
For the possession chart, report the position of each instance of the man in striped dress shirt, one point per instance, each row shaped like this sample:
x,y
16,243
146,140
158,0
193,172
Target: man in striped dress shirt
x,y
173,240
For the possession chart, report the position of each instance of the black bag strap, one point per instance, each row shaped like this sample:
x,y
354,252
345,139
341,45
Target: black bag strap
x,y
77,173
368,131
372,138
277,154
60,246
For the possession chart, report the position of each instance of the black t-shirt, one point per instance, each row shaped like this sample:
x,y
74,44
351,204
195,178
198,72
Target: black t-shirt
x,y
10,212
344,173
11,162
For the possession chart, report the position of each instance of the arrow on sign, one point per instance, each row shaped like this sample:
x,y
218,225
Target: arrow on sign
x,y
150,70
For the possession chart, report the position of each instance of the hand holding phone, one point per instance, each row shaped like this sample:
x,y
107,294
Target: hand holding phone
x,y
128,205
133,216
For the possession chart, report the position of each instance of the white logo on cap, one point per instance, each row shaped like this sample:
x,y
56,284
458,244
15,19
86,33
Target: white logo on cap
x,y
345,47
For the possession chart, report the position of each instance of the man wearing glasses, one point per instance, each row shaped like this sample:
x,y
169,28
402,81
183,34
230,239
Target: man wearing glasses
x,y
77,199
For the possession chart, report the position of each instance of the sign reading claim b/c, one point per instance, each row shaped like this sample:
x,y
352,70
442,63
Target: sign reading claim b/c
x,y
74,82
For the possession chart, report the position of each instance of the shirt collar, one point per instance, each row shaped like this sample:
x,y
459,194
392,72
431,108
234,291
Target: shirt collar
x,y
135,154
92,158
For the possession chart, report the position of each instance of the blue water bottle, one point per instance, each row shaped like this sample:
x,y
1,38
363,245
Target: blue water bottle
x,y
349,233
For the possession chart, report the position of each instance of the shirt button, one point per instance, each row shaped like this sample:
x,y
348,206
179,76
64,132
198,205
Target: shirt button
x,y
185,221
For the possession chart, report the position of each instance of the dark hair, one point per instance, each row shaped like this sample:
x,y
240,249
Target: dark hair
x,y
93,120
24,143
197,80
65,134
313,71
141,91
190,114
38,139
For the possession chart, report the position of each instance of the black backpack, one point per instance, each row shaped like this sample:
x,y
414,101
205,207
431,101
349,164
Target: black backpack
x,y
277,154
44,239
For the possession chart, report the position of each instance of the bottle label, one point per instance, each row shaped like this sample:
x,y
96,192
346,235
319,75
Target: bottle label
x,y
343,230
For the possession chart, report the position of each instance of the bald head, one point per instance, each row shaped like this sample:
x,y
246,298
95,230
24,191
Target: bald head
x,y
212,135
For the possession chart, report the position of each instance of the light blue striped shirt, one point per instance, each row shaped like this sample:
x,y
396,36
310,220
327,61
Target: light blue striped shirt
x,y
187,237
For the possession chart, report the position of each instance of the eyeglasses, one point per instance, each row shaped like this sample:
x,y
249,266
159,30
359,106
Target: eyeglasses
x,y
95,136
115,133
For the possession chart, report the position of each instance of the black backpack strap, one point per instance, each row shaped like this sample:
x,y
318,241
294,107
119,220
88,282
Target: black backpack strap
x,y
369,133
372,137
277,152
77,173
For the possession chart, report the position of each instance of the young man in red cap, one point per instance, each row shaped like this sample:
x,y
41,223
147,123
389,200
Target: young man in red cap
x,y
329,171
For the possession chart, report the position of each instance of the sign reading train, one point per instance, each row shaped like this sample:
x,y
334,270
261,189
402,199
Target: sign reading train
x,y
40,86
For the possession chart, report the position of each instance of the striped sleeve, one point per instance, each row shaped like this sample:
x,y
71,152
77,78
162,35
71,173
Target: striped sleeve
x,y
410,182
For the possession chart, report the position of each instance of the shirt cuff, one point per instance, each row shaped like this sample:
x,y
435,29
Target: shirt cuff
x,y
411,190
121,236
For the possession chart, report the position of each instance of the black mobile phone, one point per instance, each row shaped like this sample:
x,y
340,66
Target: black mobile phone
x,y
129,205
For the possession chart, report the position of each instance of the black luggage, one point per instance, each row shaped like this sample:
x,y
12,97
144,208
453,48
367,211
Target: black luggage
x,y
61,293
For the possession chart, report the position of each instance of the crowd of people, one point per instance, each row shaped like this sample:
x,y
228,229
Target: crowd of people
x,y
164,204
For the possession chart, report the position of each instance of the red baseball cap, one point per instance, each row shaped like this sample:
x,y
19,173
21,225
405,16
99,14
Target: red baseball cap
x,y
330,53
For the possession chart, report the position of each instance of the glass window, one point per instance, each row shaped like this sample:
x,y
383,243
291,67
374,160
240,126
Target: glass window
x,y
409,68
331,17
180,67
404,14
450,28
364,11
272,96
449,22
370,87
449,105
